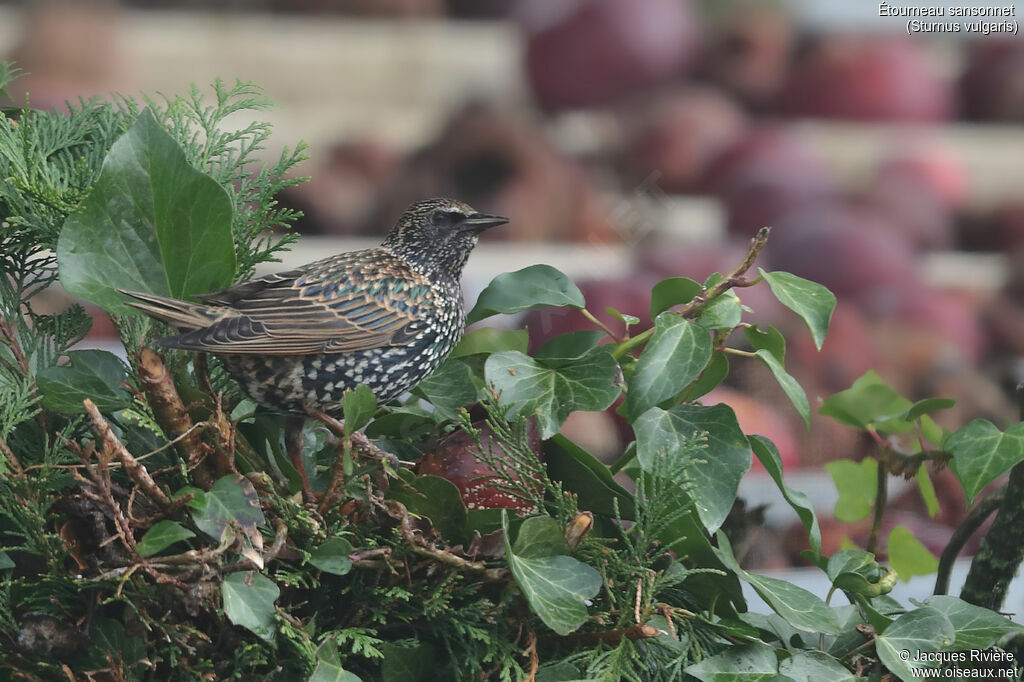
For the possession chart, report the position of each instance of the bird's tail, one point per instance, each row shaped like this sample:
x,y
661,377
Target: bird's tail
x,y
179,314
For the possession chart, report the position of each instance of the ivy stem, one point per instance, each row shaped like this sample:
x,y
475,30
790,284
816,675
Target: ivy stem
x,y
626,458
590,316
971,523
700,301
879,511
736,351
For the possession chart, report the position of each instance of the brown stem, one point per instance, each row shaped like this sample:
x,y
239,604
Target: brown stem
x,y
962,534
171,415
733,279
135,470
588,639
11,458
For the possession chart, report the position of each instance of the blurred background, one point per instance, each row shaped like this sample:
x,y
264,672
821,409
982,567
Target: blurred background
x,y
634,140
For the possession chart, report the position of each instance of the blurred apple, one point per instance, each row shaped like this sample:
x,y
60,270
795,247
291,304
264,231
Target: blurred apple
x,y
992,85
677,134
456,459
765,175
868,78
600,51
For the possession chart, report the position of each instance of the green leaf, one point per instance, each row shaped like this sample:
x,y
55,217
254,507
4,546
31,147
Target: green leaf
x,y
5,561
231,500
490,340
570,345
800,608
551,393
358,405
920,632
975,627
856,483
870,402
722,312
557,587
712,376
982,453
754,662
436,498
332,556
927,406
538,286
249,601
162,535
93,374
815,666
927,489
672,291
856,571
448,388
108,636
709,473
540,536
151,223
769,338
673,358
789,385
907,556
590,480
328,665
811,301
768,454
627,320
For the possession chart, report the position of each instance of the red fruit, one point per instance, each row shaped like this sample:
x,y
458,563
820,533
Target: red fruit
x,y
604,50
680,134
456,459
869,79
767,174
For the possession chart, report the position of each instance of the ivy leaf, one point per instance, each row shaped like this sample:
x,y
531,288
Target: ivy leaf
x,y
982,453
815,666
151,223
570,345
540,536
754,662
922,632
436,498
93,374
556,586
712,376
232,502
768,454
789,385
856,483
870,402
448,388
810,300
409,663
5,561
538,286
551,390
249,601
927,406
581,473
908,556
676,354
490,340
711,473
671,292
358,406
976,628
162,535
332,556
800,608
722,312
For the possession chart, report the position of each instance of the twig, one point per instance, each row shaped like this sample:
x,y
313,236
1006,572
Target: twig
x,y
531,653
11,458
280,537
699,302
136,471
962,534
615,636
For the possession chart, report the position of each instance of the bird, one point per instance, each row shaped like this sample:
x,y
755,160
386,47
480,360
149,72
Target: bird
x,y
386,317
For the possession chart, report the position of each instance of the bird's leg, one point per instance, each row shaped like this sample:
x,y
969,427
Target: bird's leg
x,y
293,441
338,470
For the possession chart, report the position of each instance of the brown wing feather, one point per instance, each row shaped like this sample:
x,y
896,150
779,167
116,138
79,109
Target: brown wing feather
x,y
341,304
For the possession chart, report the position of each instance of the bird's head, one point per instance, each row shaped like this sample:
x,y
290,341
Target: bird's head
x,y
437,235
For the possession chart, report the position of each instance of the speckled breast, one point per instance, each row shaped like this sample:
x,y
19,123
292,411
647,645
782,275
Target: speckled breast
x,y
302,383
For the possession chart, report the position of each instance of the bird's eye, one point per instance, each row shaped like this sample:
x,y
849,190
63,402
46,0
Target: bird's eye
x,y
446,218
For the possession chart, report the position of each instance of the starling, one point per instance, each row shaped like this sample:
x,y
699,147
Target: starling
x,y
385,317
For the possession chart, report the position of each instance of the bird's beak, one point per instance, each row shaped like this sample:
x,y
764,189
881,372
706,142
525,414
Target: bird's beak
x,y
478,222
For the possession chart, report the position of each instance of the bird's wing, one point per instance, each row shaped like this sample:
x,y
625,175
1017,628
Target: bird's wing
x,y
345,303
